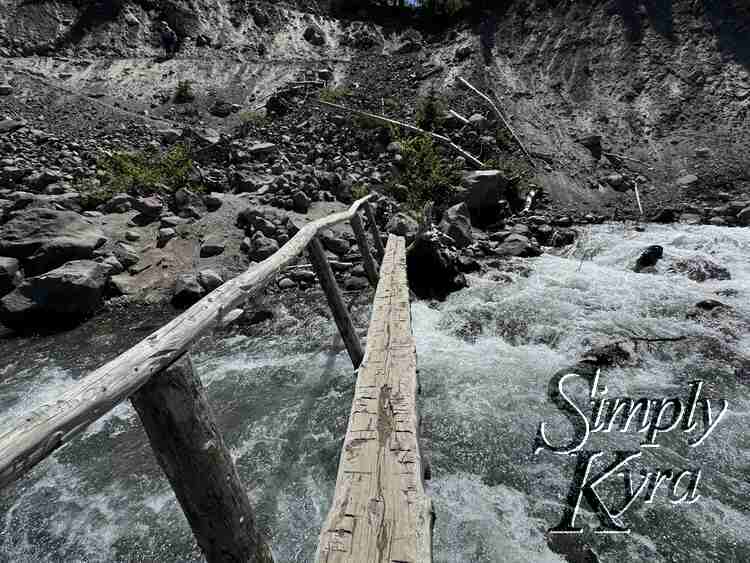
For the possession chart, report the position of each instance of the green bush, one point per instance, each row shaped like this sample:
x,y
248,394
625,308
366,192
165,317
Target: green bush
x,y
430,110
425,175
184,92
141,173
359,191
333,95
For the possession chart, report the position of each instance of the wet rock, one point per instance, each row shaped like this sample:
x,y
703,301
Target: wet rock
x,y
188,203
743,217
355,283
6,89
563,237
55,299
209,280
666,215
648,258
212,247
479,122
403,225
463,53
709,304
213,201
314,35
187,290
44,239
457,225
616,181
517,245
10,274
433,267
286,283
700,269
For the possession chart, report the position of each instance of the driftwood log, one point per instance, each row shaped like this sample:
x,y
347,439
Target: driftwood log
x,y
439,138
380,512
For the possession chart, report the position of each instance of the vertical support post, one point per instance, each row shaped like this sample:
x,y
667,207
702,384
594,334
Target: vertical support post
x,y
379,248
371,268
335,301
191,451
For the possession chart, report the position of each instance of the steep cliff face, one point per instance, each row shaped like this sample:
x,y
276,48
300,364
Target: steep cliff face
x,y
663,82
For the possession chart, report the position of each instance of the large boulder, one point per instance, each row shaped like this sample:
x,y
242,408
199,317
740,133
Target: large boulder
x,y
187,290
44,239
486,191
10,274
517,245
648,258
433,267
403,225
59,298
456,224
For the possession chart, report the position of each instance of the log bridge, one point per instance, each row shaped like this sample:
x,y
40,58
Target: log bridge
x,y
379,512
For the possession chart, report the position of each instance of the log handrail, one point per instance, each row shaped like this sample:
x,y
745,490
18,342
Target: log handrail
x,y
54,424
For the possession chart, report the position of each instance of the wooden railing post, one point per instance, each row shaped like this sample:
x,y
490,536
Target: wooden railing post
x,y
189,448
335,301
379,248
364,248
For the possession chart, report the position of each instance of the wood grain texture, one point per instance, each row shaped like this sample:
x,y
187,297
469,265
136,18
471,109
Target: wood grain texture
x,y
54,424
380,512
187,444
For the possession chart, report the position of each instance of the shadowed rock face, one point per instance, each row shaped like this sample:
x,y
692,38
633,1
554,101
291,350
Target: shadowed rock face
x,y
57,299
44,239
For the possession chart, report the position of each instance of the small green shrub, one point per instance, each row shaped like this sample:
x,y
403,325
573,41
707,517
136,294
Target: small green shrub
x,y
426,176
253,118
333,95
140,173
430,110
359,191
184,92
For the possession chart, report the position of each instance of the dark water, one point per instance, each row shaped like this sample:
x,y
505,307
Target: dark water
x,y
281,391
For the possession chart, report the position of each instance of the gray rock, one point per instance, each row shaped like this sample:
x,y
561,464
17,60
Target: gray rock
x,y
479,122
700,269
11,125
261,247
209,280
261,149
743,217
126,254
331,242
165,235
132,236
433,266
301,201
212,247
213,201
486,196
57,298
252,219
120,203
150,207
355,283
6,89
44,239
305,276
286,283
10,274
113,265
464,52
314,35
457,225
517,245
403,225
221,109
169,136
187,290
687,180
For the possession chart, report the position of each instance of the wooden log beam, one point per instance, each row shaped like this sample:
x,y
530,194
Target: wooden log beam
x,y
54,424
380,513
379,249
439,138
335,301
187,444
371,269
500,115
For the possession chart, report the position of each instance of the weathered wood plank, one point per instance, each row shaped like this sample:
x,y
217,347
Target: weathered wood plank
x,y
371,268
380,512
379,249
191,451
54,424
335,301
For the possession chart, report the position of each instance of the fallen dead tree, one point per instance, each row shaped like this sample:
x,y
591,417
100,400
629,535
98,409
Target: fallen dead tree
x,y
439,138
500,115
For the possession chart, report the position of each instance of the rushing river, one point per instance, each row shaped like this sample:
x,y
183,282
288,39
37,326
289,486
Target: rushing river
x,y
281,391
